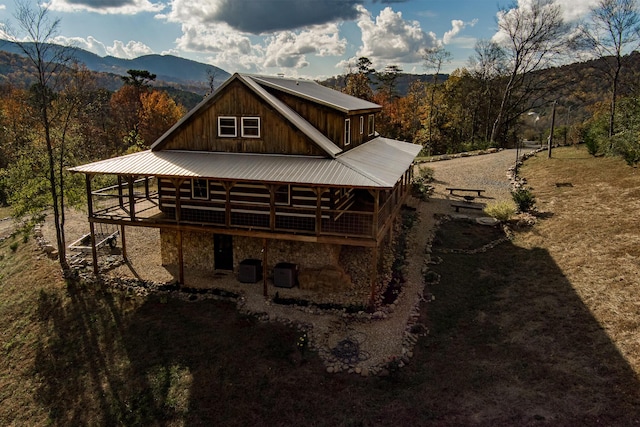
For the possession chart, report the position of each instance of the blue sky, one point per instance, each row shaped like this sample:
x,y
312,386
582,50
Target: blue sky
x,y
304,38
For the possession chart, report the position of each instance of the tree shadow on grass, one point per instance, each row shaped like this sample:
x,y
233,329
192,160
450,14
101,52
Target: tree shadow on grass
x,y
511,343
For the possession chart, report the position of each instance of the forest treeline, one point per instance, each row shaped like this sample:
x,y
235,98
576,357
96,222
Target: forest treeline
x,y
55,113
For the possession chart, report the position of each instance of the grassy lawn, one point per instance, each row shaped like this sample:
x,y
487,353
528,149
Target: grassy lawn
x,y
542,330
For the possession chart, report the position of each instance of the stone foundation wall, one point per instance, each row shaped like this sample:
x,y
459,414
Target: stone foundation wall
x,y
308,255
325,269
197,249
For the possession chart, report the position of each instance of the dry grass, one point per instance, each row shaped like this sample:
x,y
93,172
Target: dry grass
x,y
593,235
539,331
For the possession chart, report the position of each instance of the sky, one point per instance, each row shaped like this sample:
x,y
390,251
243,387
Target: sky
x,y
298,38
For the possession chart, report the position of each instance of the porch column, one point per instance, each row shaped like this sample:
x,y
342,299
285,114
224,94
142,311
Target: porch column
x,y
272,206
177,183
92,231
146,187
319,192
227,202
132,201
120,195
124,243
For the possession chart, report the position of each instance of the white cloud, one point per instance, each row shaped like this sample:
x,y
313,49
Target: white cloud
x,y
131,50
391,40
289,49
456,27
3,6
117,7
230,49
90,44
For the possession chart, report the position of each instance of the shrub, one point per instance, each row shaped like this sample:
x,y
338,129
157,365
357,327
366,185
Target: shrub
x,y
523,199
420,184
627,145
502,211
14,246
592,145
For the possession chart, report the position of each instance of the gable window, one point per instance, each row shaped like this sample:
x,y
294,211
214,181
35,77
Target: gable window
x,y
371,125
282,195
200,189
361,125
251,127
347,131
227,127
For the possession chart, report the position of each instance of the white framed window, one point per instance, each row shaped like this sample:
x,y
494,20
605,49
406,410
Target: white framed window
x,y
371,125
361,125
227,127
251,127
283,195
347,132
200,189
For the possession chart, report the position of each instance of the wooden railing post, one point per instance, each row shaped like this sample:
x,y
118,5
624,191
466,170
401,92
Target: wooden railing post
x,y
319,192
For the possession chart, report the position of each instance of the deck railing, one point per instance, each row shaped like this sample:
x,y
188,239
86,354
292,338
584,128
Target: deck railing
x,y
113,204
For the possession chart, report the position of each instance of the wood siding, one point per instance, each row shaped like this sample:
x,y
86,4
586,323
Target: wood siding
x,y
277,135
327,120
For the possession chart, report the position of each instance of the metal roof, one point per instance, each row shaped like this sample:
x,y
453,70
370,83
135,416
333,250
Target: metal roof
x,y
314,91
383,160
376,164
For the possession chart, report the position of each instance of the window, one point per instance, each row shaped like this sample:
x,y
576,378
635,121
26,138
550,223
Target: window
x,y
227,127
371,125
361,125
200,189
251,127
347,132
282,195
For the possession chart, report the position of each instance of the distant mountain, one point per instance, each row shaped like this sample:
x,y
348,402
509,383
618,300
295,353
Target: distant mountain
x,y
171,70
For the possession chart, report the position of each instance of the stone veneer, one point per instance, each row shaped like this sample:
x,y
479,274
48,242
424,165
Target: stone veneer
x,y
323,268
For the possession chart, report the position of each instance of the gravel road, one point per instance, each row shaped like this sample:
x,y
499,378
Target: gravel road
x,y
486,172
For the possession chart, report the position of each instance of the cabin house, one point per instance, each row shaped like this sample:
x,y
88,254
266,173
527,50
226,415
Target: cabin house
x,y
270,172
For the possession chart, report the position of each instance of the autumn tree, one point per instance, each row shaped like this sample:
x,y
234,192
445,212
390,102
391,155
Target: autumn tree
x,y
48,64
158,113
358,83
612,31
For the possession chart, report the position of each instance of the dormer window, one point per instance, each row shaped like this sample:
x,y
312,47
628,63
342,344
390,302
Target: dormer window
x,y
251,127
227,127
347,132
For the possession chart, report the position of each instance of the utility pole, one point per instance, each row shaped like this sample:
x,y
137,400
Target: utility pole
x,y
553,124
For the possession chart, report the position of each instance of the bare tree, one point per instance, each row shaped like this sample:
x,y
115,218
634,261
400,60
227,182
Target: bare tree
x,y
487,66
613,30
48,65
434,59
532,35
